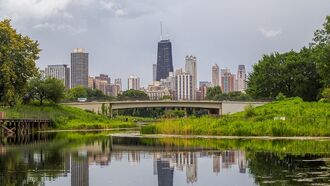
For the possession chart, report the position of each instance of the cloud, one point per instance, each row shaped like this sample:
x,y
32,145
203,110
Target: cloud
x,y
120,13
36,9
270,33
107,5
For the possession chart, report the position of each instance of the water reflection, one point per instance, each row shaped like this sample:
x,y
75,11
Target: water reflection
x,y
94,159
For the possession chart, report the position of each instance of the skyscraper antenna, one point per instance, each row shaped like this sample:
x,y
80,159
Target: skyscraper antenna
x,y
167,35
161,30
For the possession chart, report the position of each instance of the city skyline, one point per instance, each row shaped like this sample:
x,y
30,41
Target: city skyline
x,y
207,34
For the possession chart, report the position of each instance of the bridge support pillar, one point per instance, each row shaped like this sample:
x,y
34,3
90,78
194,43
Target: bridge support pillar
x,y
110,110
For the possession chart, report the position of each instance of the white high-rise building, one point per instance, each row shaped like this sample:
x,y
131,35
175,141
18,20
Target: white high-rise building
x,y
215,75
133,83
191,68
61,72
241,78
184,89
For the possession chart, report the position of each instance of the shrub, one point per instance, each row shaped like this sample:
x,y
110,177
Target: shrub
x,y
149,129
326,94
280,97
249,111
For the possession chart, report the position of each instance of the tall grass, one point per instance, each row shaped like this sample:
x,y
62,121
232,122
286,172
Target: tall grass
x,y
291,117
65,117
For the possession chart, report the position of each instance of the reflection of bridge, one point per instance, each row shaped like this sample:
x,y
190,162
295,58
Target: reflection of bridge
x,y
214,107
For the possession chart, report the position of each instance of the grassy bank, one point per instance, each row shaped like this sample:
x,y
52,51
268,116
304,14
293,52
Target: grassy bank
x,y
291,117
65,117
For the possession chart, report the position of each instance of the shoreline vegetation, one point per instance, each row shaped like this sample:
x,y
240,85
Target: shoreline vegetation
x,y
64,117
290,117
287,118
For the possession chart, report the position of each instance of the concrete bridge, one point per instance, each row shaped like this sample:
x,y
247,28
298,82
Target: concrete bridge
x,y
214,107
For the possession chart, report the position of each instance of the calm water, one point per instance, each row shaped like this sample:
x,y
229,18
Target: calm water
x,y
81,159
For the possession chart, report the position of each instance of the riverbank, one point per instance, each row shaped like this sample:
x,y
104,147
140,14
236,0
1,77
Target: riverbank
x,y
292,117
65,117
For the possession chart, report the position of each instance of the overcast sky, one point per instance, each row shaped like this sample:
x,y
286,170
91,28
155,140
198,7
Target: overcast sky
x,y
121,35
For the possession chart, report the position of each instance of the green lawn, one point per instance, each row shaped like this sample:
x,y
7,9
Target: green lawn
x,y
65,117
291,117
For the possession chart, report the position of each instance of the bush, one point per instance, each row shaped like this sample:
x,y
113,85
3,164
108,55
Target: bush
x,y
280,97
249,111
326,94
174,113
149,129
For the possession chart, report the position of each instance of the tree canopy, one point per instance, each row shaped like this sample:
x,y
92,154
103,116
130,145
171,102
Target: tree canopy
x,y
304,73
215,94
50,89
18,54
133,95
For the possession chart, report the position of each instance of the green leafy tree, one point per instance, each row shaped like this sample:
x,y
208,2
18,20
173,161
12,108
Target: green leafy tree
x,y
50,89
322,56
213,93
77,92
321,51
322,36
18,54
95,93
291,73
133,95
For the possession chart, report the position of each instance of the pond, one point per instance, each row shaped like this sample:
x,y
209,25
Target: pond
x,y
85,158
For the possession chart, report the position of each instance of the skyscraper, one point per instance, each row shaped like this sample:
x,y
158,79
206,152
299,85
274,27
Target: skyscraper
x,y
133,83
154,72
184,86
227,81
241,78
215,75
61,72
118,82
104,77
191,68
164,59
79,68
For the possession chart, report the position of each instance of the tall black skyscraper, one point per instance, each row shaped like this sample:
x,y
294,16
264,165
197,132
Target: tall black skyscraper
x,y
164,59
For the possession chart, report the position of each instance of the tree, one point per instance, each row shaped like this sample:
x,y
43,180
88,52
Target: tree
x,y
46,89
322,56
133,95
18,54
322,36
321,51
213,93
291,73
77,92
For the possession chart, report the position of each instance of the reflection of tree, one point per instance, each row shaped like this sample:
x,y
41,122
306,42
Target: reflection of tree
x,y
30,162
288,170
29,168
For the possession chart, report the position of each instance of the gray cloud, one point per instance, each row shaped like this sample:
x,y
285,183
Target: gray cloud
x,y
121,35
270,33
